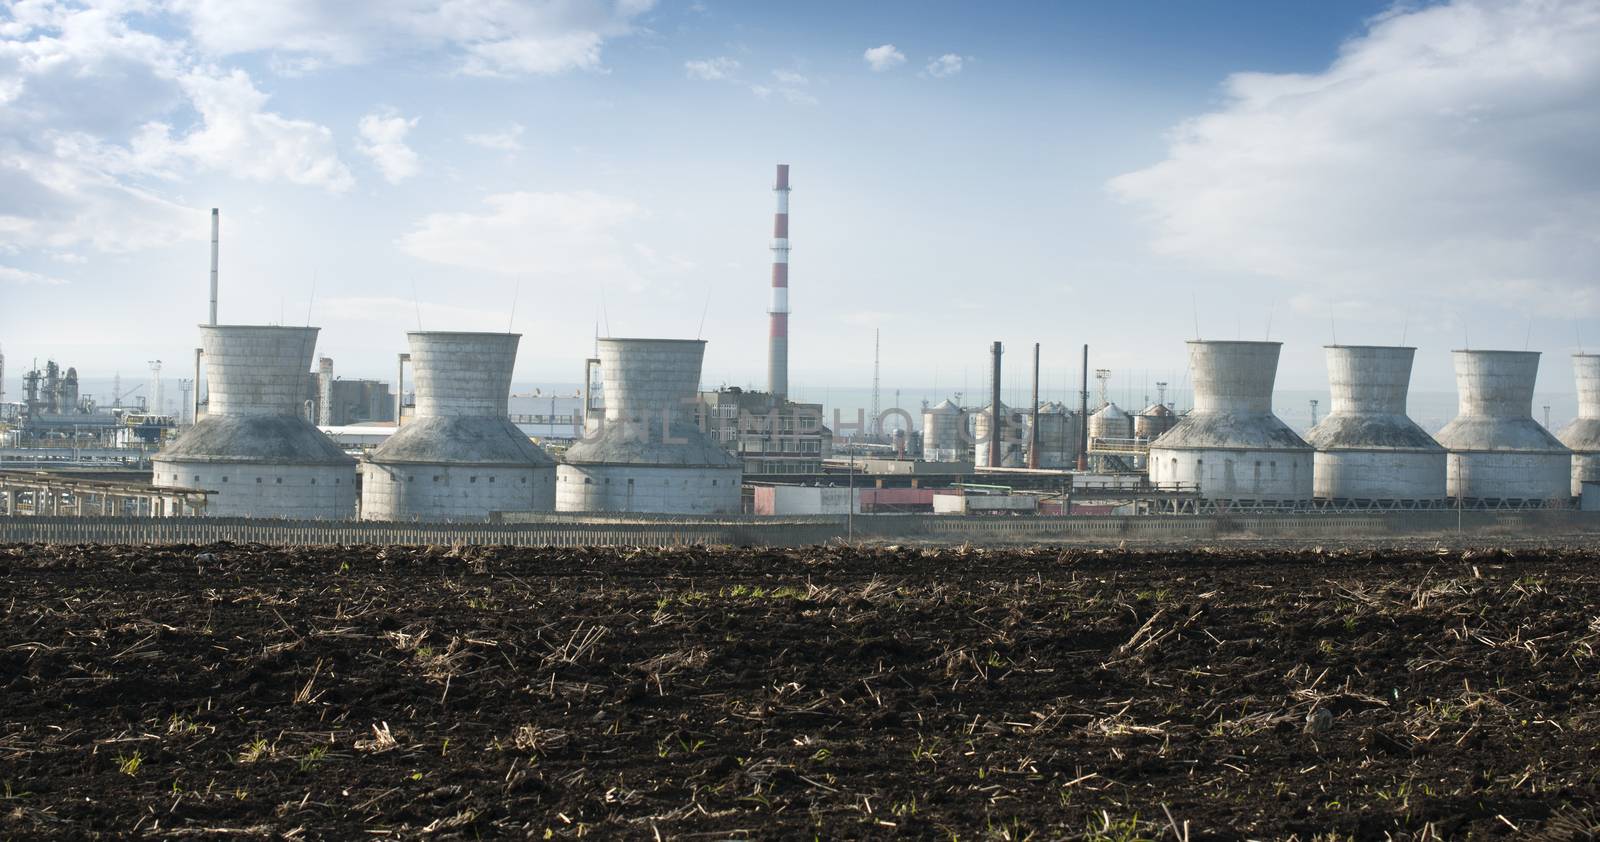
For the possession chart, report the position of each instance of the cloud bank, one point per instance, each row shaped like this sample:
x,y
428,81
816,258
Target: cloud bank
x,y
1447,153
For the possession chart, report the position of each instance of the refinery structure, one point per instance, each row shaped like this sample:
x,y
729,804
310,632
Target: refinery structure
x,y
265,429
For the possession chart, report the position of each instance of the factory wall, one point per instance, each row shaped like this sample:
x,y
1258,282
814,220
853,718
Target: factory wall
x,y
1379,475
1236,474
259,490
634,488
453,492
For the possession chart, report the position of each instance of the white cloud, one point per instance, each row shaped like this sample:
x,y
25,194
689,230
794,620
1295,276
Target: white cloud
x,y
711,69
884,58
89,153
509,140
483,37
12,275
789,77
551,234
383,139
1446,154
945,66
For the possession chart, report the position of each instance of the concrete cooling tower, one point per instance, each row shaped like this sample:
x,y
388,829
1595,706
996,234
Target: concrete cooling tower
x,y
1368,449
1231,446
649,454
1498,453
254,449
1583,434
459,458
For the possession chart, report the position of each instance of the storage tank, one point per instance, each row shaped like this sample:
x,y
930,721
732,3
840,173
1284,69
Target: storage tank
x,y
1059,432
254,449
1367,447
1497,451
1013,433
1110,422
944,433
459,458
1153,420
649,454
1230,445
1583,434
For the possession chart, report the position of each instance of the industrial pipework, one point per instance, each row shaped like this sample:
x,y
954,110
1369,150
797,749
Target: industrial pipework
x,y
1368,448
459,457
1497,451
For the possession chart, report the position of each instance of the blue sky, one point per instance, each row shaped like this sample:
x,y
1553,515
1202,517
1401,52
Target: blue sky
x,y
1062,173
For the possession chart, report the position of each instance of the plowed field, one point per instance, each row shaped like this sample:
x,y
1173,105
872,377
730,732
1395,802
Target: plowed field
x,y
252,692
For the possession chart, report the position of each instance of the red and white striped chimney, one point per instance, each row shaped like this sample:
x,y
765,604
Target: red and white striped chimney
x,y
778,344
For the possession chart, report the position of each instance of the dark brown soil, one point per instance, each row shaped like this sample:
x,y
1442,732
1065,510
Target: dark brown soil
x,y
244,692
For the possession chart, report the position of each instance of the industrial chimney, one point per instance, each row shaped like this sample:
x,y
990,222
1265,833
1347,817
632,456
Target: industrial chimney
x,y
1368,449
1231,446
1497,451
254,449
778,342
459,457
649,454
1583,434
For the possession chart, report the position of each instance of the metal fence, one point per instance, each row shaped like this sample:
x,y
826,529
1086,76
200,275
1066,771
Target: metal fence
x,y
643,530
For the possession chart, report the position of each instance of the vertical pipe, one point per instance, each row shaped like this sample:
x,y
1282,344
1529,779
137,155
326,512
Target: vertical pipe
x,y
1083,416
778,339
1033,422
994,406
588,391
215,226
194,414
400,389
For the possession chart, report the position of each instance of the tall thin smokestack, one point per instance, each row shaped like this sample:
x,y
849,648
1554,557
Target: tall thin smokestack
x,y
994,406
778,343
215,225
1083,416
1033,422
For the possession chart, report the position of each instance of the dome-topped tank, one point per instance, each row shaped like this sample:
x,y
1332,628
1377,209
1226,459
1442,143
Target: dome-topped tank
x,y
1367,447
1231,446
1059,435
254,449
1153,420
649,454
1497,451
1110,422
1583,434
1013,432
944,433
459,457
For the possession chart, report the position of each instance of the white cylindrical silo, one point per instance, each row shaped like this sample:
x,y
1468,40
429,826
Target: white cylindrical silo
x,y
1059,433
1583,434
1231,447
944,432
254,449
1368,449
459,457
1497,451
649,455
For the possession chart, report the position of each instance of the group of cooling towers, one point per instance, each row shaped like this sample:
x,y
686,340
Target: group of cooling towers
x,y
459,457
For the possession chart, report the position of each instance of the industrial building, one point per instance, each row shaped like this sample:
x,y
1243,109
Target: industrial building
x,y
647,453
1059,436
1583,434
1498,453
254,450
1368,449
768,434
336,402
459,458
1231,447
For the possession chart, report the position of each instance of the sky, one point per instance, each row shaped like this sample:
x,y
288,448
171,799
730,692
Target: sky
x,y
1126,175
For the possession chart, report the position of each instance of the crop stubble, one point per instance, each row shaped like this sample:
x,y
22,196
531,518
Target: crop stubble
x,y
247,691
